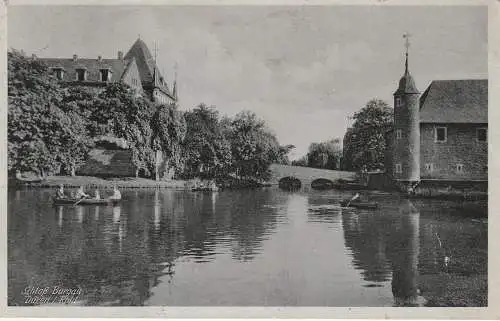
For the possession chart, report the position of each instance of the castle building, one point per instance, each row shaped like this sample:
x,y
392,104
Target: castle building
x,y
137,68
441,135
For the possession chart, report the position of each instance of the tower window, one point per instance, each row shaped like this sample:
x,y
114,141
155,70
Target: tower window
x,y
460,168
398,169
429,167
399,133
482,134
81,74
440,134
398,101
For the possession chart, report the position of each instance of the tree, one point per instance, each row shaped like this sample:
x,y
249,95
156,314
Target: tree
x,y
325,155
254,147
207,150
118,112
364,143
168,131
41,135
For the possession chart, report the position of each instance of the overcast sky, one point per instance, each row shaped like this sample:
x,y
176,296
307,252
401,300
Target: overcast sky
x,y
302,69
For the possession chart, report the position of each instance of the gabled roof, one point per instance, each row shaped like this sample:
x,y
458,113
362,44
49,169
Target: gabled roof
x,y
148,70
455,101
92,66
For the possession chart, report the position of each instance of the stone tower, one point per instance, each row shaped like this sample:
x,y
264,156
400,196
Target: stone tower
x,y
406,154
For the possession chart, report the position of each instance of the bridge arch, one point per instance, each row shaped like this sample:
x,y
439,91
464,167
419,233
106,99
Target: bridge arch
x,y
290,183
322,183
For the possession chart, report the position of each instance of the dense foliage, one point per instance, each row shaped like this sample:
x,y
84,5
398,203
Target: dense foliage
x,y
42,137
364,143
51,128
326,155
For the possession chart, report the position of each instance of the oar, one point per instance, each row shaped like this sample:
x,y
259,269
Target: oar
x,y
81,199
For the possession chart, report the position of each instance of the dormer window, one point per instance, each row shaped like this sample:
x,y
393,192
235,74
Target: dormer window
x,y
81,74
105,75
58,72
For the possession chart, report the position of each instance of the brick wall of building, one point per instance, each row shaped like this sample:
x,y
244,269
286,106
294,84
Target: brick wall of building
x,y
461,147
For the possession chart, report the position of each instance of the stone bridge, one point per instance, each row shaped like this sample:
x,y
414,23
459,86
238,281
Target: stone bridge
x,y
307,175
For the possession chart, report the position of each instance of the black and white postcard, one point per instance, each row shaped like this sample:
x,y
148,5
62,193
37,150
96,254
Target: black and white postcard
x,y
237,160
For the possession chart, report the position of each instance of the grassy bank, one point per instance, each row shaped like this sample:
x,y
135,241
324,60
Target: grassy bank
x,y
445,290
124,182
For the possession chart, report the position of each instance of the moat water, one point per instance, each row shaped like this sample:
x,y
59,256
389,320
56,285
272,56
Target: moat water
x,y
263,247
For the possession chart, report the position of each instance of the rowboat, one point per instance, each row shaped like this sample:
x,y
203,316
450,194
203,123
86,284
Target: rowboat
x,y
86,201
359,204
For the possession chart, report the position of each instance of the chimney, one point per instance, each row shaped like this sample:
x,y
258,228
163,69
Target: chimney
x,y
99,58
120,55
75,57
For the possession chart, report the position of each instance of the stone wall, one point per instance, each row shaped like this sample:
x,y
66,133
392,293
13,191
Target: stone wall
x,y
461,147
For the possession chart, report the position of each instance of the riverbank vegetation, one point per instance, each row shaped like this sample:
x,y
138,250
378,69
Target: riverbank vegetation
x,y
52,128
324,155
364,143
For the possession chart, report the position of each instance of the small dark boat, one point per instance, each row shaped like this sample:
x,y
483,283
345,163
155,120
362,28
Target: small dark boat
x,y
205,189
359,204
348,186
85,201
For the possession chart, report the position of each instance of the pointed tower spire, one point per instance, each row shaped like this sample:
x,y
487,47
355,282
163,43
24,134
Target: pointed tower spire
x,y
407,46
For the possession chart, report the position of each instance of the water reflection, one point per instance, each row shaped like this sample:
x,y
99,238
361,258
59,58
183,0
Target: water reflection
x,y
386,246
176,240
403,250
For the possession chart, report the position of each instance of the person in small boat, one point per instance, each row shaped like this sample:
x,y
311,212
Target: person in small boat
x,y
116,194
81,194
354,199
60,192
97,195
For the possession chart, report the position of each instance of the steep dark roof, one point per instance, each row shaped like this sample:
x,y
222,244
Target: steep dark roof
x,y
148,70
455,101
93,67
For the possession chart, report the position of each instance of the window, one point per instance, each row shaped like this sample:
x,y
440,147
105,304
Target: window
x,y
482,134
399,133
81,74
58,72
460,168
398,101
440,134
429,167
398,169
105,75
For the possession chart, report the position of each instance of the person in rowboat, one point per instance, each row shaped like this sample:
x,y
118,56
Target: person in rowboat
x,y
81,194
60,192
116,194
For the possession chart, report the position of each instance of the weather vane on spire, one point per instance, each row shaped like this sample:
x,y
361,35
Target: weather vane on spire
x,y
407,41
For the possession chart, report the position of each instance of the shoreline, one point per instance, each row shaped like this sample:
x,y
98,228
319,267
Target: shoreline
x,y
123,182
